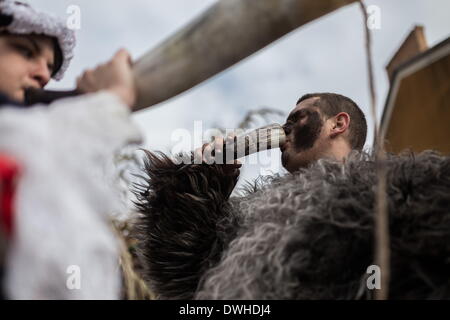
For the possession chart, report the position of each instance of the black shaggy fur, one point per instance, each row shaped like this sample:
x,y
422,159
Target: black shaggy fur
x,y
185,225
307,235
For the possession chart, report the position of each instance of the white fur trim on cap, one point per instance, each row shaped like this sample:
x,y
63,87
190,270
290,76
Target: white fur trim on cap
x,y
27,20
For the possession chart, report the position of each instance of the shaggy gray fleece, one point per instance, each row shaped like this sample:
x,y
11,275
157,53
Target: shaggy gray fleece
x,y
307,235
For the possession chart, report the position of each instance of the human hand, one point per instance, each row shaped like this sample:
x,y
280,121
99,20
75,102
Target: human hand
x,y
213,153
115,76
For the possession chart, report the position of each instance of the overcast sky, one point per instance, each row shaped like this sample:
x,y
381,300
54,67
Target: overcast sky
x,y
326,55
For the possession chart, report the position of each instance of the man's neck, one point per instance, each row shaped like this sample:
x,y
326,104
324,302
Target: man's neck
x,y
339,150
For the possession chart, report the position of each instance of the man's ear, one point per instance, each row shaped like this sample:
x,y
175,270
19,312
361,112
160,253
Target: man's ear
x,y
341,123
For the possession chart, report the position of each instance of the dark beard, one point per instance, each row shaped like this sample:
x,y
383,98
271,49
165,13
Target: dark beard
x,y
306,135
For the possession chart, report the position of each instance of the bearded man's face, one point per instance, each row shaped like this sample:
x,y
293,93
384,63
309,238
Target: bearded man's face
x,y
305,136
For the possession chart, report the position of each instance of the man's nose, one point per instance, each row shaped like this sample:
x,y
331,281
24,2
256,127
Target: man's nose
x,y
41,72
287,129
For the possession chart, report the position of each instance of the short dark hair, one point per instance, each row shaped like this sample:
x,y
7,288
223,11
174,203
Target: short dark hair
x,y
330,104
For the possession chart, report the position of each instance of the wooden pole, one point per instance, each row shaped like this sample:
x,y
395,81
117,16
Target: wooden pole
x,y
381,213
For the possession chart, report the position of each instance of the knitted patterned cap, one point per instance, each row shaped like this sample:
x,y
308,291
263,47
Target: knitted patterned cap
x,y
19,18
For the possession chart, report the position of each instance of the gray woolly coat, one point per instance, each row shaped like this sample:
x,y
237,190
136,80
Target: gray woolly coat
x,y
307,235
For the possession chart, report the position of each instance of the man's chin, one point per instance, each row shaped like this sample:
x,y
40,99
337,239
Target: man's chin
x,y
293,164
285,161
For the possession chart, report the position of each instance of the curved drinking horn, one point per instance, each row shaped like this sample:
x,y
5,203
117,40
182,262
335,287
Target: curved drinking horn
x,y
261,139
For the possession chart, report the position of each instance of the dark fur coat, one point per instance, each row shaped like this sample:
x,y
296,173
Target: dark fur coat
x,y
307,235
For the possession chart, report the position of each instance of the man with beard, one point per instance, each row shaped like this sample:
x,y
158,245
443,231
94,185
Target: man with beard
x,y
304,235
322,126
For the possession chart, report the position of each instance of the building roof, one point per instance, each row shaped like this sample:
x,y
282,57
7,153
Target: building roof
x,y
417,110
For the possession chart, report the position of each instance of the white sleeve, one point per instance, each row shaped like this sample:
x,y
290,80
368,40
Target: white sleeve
x,y
63,245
